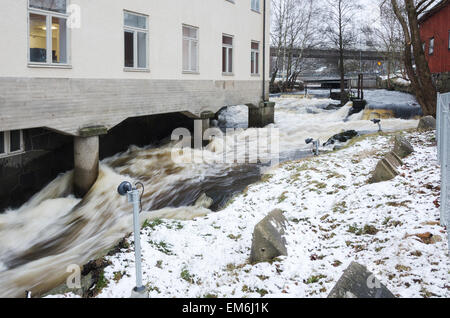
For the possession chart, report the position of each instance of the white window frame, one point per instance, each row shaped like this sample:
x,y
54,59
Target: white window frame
x,y
257,53
7,144
256,5
191,40
49,44
135,32
227,60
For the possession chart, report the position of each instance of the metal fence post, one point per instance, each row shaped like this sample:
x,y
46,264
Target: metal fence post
x,y
443,140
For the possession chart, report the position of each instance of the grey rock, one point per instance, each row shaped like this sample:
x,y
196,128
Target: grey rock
x,y
358,282
427,123
402,147
341,137
393,159
268,238
384,171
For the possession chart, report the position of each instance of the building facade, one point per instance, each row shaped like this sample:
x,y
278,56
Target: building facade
x,y
70,65
435,35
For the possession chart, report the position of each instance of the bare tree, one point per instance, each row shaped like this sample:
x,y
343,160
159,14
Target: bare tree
x,y
340,31
292,32
420,76
389,34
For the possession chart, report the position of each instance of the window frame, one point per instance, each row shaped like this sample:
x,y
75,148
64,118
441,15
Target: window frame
x,y
135,31
431,47
49,15
197,29
256,61
228,47
7,144
254,9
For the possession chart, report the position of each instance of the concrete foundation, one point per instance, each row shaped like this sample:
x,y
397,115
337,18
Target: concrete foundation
x,y
200,126
86,160
261,116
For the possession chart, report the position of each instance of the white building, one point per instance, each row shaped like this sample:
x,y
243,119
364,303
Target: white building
x,y
71,64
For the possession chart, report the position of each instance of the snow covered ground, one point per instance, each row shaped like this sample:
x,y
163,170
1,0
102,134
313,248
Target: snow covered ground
x,y
335,217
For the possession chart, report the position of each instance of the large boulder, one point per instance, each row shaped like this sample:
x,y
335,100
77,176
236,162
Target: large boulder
x,y
427,123
341,137
402,147
268,238
384,171
358,282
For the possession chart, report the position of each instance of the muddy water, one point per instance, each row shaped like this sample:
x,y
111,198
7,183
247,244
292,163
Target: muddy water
x,y
54,230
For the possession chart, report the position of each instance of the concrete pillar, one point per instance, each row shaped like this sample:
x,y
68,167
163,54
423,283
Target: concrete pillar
x,y
200,126
259,117
86,158
86,154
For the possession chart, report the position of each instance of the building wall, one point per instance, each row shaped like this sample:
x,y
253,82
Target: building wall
x,y
96,89
437,26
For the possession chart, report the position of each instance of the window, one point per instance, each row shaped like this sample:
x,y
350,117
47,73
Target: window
x,y
135,41
190,49
431,48
48,34
255,5
424,46
255,58
227,54
11,142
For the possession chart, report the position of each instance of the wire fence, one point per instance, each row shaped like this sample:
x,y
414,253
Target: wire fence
x,y
443,139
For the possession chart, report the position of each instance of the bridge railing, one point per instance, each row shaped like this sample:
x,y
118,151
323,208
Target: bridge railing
x,y
443,139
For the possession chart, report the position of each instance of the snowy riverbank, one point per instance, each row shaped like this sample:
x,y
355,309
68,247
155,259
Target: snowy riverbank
x,y
335,218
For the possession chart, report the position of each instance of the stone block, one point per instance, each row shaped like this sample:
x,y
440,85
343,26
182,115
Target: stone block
x,y
402,147
358,282
384,171
268,238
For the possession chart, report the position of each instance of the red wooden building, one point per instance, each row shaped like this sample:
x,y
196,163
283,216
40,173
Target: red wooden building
x,y
435,34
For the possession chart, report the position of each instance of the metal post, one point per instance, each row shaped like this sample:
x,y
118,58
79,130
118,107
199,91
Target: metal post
x,y
139,290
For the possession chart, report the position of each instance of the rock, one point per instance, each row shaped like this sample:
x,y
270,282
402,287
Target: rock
x,y
427,123
342,137
358,282
268,238
384,171
393,159
402,147
204,201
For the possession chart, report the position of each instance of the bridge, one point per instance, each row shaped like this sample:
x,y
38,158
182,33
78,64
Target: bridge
x,y
333,54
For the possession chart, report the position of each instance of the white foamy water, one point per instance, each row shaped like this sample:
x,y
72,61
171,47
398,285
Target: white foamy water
x,y
54,229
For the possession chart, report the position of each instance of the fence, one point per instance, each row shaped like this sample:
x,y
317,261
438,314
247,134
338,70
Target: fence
x,y
443,139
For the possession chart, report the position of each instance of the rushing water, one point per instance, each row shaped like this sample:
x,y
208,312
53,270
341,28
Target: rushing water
x,y
54,229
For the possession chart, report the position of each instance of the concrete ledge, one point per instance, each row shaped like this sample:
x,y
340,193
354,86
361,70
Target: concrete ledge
x,y
92,131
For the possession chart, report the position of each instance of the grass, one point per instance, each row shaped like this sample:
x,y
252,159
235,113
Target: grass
x,y
162,246
314,279
366,230
187,276
152,224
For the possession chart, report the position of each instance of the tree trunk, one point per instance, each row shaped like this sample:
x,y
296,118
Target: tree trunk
x,y
422,68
